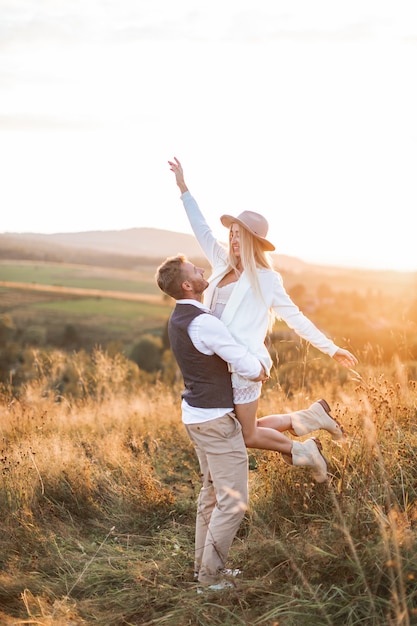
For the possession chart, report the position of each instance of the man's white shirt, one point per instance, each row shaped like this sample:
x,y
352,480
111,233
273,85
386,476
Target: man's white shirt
x,y
210,336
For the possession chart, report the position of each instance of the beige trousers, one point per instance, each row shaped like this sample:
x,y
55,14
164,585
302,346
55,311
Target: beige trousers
x,y
223,497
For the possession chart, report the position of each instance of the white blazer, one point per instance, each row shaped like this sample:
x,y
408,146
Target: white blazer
x,y
245,315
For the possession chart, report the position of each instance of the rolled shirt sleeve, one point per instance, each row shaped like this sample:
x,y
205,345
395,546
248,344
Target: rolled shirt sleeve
x,y
210,336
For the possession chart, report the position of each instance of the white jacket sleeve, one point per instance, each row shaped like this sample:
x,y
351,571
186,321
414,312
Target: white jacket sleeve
x,y
213,250
288,311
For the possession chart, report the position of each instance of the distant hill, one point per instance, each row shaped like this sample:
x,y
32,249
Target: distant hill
x,y
143,249
134,241
84,247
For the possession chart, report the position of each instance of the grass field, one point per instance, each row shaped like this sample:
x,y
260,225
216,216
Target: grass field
x,y
98,497
98,479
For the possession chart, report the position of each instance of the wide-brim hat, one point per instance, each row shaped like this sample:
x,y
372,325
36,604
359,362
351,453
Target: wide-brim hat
x,y
255,223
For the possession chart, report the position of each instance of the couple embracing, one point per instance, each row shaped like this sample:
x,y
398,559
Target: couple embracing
x,y
217,333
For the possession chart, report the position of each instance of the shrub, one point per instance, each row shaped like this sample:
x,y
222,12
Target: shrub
x,y
147,353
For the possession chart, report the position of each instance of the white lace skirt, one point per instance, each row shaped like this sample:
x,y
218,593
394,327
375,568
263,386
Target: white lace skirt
x,y
245,390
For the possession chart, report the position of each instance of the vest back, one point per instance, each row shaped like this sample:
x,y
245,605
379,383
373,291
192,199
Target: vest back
x,y
206,377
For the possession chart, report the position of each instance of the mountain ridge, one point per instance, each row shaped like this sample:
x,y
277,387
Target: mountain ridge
x,y
154,243
139,245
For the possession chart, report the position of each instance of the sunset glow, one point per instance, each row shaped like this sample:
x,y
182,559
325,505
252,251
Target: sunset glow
x,y
307,116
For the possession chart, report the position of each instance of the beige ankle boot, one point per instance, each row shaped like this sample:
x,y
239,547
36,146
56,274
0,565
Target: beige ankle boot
x,y
317,416
307,453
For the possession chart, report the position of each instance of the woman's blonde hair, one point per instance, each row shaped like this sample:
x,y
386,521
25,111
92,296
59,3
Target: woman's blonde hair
x,y
252,257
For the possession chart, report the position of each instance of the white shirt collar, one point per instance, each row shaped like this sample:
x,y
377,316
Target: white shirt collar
x,y
196,303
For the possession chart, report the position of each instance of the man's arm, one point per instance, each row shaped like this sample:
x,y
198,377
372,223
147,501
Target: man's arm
x,y
210,336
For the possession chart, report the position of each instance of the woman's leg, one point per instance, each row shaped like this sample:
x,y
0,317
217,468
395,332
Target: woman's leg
x,y
305,421
305,453
262,438
280,422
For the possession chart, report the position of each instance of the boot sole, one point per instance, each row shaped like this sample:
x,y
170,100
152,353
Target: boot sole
x,y
319,448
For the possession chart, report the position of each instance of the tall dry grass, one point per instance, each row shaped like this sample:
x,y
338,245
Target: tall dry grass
x,y
97,503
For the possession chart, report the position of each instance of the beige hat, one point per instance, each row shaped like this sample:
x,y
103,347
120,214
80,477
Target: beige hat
x,y
254,223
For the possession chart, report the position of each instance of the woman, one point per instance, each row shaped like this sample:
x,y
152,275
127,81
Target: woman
x,y
245,292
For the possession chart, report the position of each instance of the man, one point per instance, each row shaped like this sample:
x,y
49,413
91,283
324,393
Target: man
x,y
203,346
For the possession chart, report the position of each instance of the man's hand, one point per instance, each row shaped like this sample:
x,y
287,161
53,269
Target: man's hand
x,y
176,167
263,376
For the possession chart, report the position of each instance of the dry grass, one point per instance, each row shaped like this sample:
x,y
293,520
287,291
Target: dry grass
x,y
97,503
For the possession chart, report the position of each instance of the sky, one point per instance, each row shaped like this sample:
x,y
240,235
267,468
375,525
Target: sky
x,y
302,111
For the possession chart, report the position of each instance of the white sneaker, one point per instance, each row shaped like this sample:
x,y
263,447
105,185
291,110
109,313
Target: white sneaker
x,y
231,572
224,572
221,586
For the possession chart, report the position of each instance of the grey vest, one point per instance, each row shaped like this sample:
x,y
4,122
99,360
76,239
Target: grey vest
x,y
206,377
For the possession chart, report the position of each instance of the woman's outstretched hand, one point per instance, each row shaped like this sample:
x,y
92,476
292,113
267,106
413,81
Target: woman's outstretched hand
x,y
345,358
176,167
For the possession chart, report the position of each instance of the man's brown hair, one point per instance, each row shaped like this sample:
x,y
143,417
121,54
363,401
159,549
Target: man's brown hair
x,y
169,276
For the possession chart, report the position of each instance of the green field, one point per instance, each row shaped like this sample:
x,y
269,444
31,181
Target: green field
x,y
86,277
107,307
96,318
